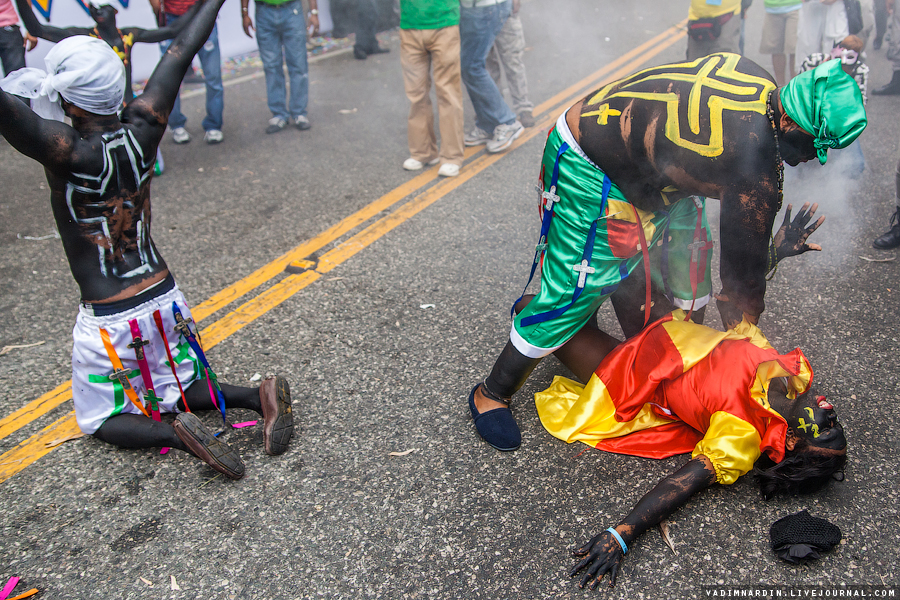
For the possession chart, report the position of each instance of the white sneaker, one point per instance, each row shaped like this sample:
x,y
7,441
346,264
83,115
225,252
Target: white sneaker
x,y
504,136
448,170
276,124
302,123
477,137
411,164
180,135
213,136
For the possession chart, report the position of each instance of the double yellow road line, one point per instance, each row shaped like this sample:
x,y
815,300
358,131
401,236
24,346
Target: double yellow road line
x,y
37,446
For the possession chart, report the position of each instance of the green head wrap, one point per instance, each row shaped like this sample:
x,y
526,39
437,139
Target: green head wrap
x,y
826,103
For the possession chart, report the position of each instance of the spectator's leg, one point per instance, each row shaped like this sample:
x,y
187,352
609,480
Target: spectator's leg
x,y
881,22
893,55
297,64
492,64
791,23
779,66
478,27
269,40
176,117
510,44
12,53
415,61
448,88
366,26
211,63
730,38
891,238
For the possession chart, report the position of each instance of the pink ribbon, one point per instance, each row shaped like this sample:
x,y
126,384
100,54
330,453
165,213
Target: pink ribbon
x,y
8,588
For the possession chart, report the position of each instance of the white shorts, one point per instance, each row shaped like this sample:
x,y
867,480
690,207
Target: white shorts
x,y
98,398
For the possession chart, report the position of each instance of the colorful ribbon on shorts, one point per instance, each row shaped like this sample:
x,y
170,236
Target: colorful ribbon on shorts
x,y
183,328
549,198
584,267
157,318
119,372
138,343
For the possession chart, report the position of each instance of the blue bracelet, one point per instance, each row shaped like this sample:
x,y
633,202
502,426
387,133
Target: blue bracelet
x,y
619,539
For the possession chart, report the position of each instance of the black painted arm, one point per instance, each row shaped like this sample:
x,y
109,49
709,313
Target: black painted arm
x,y
164,33
603,554
155,104
48,142
45,32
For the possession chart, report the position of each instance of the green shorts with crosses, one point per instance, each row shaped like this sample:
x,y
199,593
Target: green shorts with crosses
x,y
591,240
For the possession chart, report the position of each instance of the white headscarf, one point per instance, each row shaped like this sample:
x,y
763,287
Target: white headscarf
x,y
83,70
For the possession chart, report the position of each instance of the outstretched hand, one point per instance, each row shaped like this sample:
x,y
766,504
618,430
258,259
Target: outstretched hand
x,y
790,239
600,556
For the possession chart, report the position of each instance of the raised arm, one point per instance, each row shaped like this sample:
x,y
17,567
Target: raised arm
x,y
161,34
46,32
48,142
603,554
155,104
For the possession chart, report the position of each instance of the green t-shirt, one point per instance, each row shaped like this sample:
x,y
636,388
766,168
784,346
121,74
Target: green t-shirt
x,y
781,4
428,14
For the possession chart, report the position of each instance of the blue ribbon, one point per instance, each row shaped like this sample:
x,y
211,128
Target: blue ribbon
x,y
195,346
585,255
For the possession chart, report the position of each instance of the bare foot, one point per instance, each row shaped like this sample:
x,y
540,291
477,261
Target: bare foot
x,y
484,404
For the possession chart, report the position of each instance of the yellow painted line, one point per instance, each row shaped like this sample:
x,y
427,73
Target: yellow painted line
x,y
35,408
255,308
277,266
35,447
32,449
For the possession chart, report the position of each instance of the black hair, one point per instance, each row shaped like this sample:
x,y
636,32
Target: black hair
x,y
801,471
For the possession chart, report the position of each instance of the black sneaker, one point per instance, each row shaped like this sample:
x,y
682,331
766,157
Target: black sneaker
x,y
891,239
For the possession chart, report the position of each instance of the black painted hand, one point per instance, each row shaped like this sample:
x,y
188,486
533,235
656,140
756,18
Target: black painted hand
x,y
790,239
600,556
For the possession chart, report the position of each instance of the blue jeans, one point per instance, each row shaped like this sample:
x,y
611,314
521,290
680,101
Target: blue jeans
x,y
211,63
12,53
478,27
283,27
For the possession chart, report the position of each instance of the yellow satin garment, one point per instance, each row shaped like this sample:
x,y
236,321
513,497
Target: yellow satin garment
x,y
731,445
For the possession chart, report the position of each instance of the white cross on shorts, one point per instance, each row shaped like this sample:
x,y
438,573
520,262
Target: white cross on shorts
x,y
583,269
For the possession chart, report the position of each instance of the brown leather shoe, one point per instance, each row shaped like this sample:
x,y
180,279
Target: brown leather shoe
x,y
278,420
208,447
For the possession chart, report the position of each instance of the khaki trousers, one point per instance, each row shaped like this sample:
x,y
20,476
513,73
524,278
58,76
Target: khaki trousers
x,y
509,47
427,54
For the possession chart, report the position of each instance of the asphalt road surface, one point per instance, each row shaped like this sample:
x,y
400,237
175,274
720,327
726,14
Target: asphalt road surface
x,y
402,307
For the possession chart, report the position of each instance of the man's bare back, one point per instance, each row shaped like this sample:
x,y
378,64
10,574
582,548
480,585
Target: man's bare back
x,y
99,171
